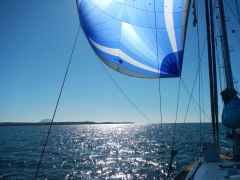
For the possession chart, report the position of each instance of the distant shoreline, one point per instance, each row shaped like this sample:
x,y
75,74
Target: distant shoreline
x,y
59,123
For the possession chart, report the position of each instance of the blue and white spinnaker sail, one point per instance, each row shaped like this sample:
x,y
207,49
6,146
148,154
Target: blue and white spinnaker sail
x,y
143,38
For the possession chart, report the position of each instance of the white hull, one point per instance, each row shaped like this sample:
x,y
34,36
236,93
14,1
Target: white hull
x,y
223,169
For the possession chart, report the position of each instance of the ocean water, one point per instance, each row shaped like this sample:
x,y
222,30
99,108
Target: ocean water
x,y
101,151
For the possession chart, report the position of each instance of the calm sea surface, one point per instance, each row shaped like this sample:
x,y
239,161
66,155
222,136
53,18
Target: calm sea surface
x,y
100,151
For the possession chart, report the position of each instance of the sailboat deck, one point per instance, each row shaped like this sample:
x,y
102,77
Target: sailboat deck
x,y
224,169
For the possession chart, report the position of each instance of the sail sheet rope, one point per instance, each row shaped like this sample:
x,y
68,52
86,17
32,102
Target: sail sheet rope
x,y
173,151
125,94
57,103
161,132
159,68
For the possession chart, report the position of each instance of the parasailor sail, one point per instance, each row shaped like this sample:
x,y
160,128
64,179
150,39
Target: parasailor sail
x,y
142,38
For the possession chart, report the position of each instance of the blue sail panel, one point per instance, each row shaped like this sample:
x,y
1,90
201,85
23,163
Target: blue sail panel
x,y
142,38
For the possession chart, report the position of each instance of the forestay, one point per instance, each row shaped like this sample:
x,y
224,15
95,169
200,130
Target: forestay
x,y
142,38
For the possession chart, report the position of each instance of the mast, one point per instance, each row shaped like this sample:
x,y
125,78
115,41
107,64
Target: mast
x,y
212,70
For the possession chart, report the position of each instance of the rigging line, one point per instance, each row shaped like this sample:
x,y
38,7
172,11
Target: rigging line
x,y
160,102
200,112
238,38
56,107
218,25
125,95
237,5
173,151
191,94
203,106
219,68
161,116
176,114
200,77
233,31
231,10
195,79
180,80
235,80
202,109
159,79
159,82
193,100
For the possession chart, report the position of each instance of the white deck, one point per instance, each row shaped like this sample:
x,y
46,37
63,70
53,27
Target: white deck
x,y
224,169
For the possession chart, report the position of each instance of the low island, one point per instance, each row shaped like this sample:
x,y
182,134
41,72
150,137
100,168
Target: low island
x,y
58,123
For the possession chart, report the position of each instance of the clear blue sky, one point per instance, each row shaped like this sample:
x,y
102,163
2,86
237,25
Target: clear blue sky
x,y
36,38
